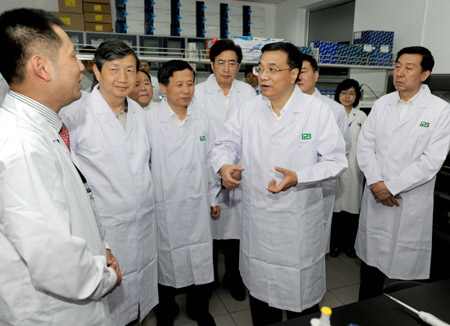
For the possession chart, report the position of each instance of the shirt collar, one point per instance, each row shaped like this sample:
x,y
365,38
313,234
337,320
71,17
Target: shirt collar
x,y
412,99
49,115
220,91
284,108
172,113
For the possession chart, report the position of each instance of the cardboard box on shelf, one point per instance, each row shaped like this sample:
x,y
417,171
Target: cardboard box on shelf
x,y
97,27
101,8
90,17
71,21
72,6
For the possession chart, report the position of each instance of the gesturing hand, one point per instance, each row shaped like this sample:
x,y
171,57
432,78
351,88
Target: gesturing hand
x,y
289,180
231,175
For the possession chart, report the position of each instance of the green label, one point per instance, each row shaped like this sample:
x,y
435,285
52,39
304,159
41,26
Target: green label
x,y
424,124
202,138
306,136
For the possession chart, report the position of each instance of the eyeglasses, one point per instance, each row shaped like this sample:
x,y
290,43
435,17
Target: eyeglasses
x,y
223,63
270,70
348,93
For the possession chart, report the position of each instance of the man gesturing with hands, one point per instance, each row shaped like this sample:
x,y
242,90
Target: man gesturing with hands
x,y
287,142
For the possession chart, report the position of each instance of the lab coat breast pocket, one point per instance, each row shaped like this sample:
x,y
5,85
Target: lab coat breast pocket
x,y
305,154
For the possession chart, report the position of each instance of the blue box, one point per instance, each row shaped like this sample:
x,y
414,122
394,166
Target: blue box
x,y
305,50
348,54
382,55
327,51
374,37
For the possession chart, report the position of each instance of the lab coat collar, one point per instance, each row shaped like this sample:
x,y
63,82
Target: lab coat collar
x,y
102,108
164,114
212,85
28,113
296,105
421,102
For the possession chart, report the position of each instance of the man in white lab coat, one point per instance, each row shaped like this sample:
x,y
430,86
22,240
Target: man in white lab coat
x,y
109,136
216,97
186,189
401,147
309,74
56,269
288,143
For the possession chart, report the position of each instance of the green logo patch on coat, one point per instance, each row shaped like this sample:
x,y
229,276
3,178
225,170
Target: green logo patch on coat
x,y
202,138
424,124
306,136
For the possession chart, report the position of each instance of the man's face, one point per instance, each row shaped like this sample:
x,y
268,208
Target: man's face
x,y
408,74
308,78
117,78
251,79
180,89
67,71
89,65
276,84
145,66
143,91
225,67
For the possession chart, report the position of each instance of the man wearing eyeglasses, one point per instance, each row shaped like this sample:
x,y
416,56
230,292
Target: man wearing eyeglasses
x,y
217,96
287,143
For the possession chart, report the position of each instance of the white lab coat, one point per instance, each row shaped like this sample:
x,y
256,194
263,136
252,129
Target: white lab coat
x,y
52,254
4,87
206,97
329,187
350,184
185,188
406,155
115,163
282,261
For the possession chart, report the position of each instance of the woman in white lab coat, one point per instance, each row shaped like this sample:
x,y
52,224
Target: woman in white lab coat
x,y
349,186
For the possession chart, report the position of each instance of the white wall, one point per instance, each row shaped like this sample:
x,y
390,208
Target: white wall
x,y
436,28
49,5
415,22
291,22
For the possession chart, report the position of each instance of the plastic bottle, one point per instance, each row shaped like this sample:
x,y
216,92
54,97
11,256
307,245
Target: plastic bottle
x,y
324,319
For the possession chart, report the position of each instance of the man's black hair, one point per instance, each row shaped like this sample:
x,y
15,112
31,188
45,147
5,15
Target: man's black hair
x,y
311,60
168,68
248,69
294,59
112,50
23,33
225,45
427,63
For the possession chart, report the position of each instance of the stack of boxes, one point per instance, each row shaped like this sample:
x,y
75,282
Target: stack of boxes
x,y
251,46
97,15
89,15
371,48
378,45
327,51
71,14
